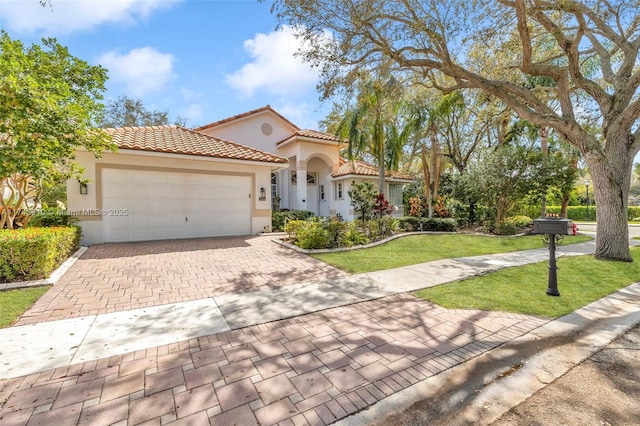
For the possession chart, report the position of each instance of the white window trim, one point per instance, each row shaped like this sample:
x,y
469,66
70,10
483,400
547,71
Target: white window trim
x,y
339,187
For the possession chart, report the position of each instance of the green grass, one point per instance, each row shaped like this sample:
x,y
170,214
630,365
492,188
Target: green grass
x,y
14,302
426,248
581,280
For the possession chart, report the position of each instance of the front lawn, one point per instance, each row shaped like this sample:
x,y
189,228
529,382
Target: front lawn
x,y
415,249
14,302
581,280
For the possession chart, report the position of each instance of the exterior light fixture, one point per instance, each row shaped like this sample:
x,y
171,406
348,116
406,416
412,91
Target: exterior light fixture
x,y
263,193
84,188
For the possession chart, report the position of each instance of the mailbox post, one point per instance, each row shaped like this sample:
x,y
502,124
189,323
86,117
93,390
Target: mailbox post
x,y
552,227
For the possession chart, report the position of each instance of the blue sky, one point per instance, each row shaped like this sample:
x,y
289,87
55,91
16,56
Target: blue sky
x,y
201,59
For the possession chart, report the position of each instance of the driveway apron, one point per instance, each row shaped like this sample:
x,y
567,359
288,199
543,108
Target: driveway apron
x,y
118,277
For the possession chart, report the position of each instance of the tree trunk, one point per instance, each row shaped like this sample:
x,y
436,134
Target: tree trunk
x,y
433,178
566,192
381,168
565,204
472,212
501,209
544,147
381,179
611,179
426,174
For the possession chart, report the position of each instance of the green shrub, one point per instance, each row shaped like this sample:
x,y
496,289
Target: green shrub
x,y
520,221
335,231
312,235
435,224
292,228
574,212
33,253
353,236
390,225
505,228
279,219
46,218
381,227
579,213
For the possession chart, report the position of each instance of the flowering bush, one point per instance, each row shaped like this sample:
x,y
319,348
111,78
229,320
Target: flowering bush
x,y
381,207
416,207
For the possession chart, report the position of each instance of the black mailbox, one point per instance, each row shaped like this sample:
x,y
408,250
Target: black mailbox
x,y
553,226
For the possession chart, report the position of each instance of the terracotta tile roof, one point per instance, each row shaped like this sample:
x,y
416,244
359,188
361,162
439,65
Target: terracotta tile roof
x,y
360,168
178,140
245,114
314,134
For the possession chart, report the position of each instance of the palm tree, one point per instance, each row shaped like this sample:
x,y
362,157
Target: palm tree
x,y
371,125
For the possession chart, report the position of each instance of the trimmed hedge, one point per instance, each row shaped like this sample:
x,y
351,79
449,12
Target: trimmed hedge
x,y
48,218
436,224
634,212
33,253
575,212
580,212
280,219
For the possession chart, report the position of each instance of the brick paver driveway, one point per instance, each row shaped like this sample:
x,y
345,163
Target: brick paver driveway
x,y
308,370
118,277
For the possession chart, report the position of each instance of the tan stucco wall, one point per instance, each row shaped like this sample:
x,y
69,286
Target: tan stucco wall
x,y
259,173
344,206
303,150
248,131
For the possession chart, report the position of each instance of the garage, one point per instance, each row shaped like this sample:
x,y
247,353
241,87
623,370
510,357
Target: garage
x,y
168,182
143,205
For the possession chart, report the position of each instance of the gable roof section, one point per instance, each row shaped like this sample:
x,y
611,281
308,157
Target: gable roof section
x,y
312,134
178,140
360,168
246,114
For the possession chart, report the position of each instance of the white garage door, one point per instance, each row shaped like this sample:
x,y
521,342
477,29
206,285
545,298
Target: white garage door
x,y
143,205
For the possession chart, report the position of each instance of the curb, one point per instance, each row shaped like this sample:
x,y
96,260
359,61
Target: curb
x,y
52,279
369,245
515,377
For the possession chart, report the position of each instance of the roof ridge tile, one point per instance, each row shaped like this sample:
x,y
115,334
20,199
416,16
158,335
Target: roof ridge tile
x,y
179,140
245,114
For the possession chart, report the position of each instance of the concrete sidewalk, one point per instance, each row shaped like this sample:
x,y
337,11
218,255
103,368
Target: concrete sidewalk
x,y
310,353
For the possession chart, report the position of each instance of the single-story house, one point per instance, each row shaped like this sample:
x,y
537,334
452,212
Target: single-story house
x,y
168,182
310,153
221,179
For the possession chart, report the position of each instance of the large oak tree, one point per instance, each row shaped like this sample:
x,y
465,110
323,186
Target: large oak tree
x,y
586,50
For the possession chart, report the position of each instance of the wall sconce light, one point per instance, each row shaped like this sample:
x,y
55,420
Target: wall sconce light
x,y
263,193
84,188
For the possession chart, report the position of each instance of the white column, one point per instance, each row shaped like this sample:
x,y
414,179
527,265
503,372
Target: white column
x,y
301,192
283,188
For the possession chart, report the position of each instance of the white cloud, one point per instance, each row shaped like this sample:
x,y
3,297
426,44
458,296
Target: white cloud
x,y
273,67
66,16
190,95
302,114
192,112
141,70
